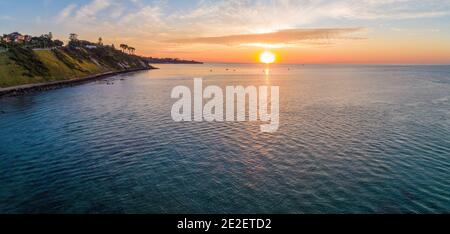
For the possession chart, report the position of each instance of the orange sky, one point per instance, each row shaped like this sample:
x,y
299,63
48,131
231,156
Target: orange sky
x,y
370,47
360,52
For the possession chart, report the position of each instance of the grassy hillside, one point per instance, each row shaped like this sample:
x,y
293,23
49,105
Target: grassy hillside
x,y
20,66
12,74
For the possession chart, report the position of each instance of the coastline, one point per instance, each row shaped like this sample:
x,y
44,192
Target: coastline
x,y
39,87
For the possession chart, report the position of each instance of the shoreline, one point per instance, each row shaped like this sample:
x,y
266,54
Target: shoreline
x,y
39,87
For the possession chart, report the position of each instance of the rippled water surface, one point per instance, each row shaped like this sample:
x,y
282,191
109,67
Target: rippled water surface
x,y
352,139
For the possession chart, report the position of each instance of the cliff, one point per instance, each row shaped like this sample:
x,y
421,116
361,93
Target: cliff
x,y
21,65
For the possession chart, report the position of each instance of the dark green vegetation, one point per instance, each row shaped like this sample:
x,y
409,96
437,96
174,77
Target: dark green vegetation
x,y
169,61
24,64
29,61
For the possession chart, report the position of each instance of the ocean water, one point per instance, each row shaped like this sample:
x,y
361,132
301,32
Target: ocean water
x,y
352,139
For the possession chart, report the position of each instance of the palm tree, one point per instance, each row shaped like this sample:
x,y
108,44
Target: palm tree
x,y
132,49
124,47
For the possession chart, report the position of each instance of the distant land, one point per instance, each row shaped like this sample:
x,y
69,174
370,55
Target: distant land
x,y
152,60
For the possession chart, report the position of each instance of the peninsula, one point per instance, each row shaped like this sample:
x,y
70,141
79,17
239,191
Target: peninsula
x,y
28,62
152,60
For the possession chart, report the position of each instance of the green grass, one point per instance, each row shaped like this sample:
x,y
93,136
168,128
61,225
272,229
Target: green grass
x,y
12,74
20,66
68,68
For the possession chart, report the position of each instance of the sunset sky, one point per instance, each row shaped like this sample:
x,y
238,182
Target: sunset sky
x,y
341,31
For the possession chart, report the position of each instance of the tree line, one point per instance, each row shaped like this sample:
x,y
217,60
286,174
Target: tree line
x,y
126,48
74,41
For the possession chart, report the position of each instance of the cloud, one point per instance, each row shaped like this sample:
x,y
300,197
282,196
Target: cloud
x,y
66,12
90,10
130,18
220,17
237,16
276,23
6,17
279,37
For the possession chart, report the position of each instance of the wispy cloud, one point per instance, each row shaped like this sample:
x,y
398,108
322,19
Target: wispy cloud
x,y
90,10
279,37
6,17
214,18
66,12
264,23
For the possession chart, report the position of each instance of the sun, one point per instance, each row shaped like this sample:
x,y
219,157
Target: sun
x,y
267,57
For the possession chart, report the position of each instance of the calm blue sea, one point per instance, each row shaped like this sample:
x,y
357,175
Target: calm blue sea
x,y
352,139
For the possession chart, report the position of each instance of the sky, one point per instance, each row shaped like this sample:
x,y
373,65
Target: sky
x,y
297,31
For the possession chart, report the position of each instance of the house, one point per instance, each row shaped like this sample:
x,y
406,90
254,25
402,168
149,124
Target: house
x,y
5,38
27,38
16,38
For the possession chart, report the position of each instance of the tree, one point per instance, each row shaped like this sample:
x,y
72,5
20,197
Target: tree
x,y
73,41
50,35
58,43
3,45
124,47
100,41
73,37
44,41
132,49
